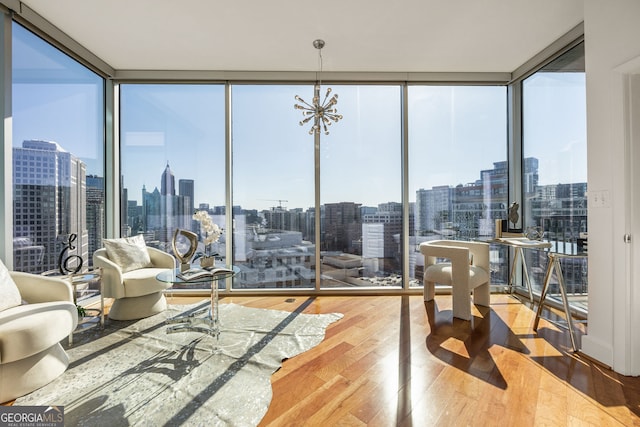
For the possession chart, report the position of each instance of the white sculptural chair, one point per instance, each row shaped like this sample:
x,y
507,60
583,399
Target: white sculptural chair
x,y
136,293
466,271
30,333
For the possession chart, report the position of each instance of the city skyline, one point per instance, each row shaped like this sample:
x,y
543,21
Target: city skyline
x,y
162,187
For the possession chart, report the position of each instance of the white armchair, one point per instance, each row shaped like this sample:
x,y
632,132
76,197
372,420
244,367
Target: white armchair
x,y
30,333
136,293
467,271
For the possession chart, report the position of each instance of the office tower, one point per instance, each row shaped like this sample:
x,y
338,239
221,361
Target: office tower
x,y
168,206
381,231
342,227
186,204
49,205
151,209
134,217
95,213
167,182
277,218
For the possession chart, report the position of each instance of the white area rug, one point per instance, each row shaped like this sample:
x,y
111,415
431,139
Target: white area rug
x,y
133,373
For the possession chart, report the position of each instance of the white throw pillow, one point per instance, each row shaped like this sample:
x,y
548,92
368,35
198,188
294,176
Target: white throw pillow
x,y
9,293
130,253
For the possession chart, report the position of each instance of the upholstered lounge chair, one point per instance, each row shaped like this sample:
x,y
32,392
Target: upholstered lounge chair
x,y
131,280
467,271
30,332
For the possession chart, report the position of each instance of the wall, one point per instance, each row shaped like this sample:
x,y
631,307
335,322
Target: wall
x,y
612,39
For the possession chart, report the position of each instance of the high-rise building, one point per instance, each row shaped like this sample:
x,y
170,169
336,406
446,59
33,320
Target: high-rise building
x,y
433,209
95,213
169,206
151,209
381,237
168,182
49,205
342,227
186,203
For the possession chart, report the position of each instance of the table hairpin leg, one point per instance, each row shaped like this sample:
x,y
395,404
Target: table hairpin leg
x,y
554,263
519,254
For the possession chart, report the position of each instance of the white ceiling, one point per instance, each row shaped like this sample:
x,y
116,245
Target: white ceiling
x,y
277,35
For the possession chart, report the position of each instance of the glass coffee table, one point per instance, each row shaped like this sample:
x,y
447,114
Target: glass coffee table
x,y
87,317
205,320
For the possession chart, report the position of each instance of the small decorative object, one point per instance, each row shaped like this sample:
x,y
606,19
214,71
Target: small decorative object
x,y
513,213
63,263
513,217
212,234
184,258
534,233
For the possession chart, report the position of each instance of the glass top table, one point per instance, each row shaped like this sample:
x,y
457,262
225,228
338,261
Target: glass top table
x,y
196,322
555,254
556,251
519,244
87,317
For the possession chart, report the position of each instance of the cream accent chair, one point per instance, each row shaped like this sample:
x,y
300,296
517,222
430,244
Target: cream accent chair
x,y
467,271
136,293
30,352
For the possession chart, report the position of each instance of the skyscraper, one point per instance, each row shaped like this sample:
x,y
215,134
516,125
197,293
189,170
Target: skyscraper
x,y
168,182
342,226
49,204
186,203
95,213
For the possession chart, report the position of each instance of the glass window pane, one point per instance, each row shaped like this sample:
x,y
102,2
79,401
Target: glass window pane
x,y
458,175
555,171
172,161
273,189
361,189
58,157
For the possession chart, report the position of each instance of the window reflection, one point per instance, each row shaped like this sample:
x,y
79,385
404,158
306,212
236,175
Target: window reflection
x,y
58,146
361,190
458,173
554,137
172,161
273,189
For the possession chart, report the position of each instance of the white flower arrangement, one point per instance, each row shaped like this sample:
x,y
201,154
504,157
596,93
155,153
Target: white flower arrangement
x,y
211,231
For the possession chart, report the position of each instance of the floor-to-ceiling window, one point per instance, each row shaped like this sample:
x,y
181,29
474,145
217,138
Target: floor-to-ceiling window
x,y
172,149
555,163
273,189
173,163
458,172
361,189
58,157
457,167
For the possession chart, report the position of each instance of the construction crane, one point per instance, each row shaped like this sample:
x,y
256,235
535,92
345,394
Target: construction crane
x,y
277,200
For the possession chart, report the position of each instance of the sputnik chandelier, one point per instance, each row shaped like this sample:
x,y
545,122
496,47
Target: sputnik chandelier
x,y
323,113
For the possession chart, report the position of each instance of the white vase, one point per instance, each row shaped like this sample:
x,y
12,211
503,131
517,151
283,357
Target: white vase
x,y
207,261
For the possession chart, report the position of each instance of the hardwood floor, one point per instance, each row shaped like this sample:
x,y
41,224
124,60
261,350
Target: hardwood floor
x,y
397,361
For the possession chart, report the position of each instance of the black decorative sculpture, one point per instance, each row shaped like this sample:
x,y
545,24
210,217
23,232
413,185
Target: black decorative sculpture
x,y
63,263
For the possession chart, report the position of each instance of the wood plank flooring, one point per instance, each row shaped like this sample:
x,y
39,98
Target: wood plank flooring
x,y
397,361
